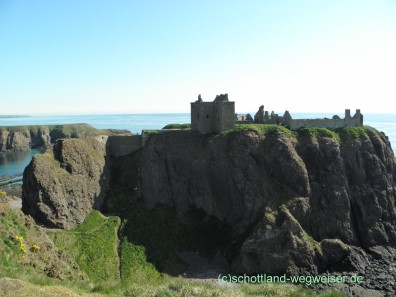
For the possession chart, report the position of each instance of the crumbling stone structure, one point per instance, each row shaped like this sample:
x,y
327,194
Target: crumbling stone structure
x,y
264,117
240,119
334,123
217,116
261,117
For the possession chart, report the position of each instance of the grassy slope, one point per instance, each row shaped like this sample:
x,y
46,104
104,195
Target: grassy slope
x,y
93,245
46,266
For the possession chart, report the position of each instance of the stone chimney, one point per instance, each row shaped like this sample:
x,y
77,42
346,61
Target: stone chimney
x,y
347,113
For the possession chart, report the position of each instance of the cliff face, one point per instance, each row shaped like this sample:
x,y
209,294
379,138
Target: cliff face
x,y
335,188
21,138
312,201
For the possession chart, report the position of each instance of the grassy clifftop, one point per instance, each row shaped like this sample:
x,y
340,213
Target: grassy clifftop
x,y
20,138
342,134
70,129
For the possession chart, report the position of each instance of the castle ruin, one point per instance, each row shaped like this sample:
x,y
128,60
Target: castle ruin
x,y
334,123
264,117
217,116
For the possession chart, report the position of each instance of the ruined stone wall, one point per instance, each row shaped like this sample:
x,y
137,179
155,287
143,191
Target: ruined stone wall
x,y
332,124
224,116
202,117
208,117
117,146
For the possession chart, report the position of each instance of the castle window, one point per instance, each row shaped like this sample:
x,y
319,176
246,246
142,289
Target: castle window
x,y
198,115
207,116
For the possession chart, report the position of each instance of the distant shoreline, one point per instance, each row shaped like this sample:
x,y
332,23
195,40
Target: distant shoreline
x,y
13,116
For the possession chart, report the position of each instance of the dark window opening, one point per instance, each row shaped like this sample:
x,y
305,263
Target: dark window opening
x,y
198,115
207,116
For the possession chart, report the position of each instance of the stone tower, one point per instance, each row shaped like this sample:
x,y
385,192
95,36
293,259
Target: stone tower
x,y
217,116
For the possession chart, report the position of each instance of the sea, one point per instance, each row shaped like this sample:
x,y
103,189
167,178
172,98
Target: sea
x,y
13,163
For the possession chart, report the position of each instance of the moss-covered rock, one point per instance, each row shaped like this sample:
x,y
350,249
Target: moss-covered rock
x,y
61,187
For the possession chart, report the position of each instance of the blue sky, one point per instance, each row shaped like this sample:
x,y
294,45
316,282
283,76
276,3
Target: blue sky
x,y
73,56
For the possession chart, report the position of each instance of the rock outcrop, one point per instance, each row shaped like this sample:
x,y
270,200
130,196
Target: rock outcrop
x,y
60,188
23,138
282,191
306,202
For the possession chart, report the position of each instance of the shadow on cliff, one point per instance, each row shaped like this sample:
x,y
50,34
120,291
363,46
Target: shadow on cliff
x,y
192,244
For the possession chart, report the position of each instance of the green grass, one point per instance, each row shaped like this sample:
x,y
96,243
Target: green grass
x,y
342,134
85,147
149,132
178,126
47,266
94,246
373,133
171,287
11,225
351,133
263,129
318,132
311,241
134,265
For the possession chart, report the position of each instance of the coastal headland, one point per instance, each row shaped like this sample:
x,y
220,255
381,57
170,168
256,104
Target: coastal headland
x,y
258,198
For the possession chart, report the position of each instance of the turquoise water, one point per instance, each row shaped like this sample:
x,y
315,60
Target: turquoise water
x,y
15,162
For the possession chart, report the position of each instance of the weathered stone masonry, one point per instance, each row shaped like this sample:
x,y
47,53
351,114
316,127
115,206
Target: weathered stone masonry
x,y
263,117
217,116
334,123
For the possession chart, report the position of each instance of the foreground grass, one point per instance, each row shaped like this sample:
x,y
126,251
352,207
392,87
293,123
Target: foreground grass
x,y
94,246
171,287
94,259
20,288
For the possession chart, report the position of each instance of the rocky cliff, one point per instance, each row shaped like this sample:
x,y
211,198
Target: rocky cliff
x,y
306,202
21,138
282,193
61,187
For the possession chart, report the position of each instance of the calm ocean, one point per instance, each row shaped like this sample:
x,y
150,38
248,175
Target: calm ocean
x,y
14,163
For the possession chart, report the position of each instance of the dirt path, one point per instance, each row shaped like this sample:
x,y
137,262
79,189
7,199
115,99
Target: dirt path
x,y
15,203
